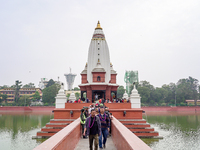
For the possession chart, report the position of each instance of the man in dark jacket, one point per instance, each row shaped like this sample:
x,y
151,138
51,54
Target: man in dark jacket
x,y
105,127
93,127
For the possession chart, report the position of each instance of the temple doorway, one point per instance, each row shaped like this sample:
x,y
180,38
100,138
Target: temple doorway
x,y
98,94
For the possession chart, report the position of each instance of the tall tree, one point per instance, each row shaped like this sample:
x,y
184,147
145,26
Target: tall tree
x,y
24,100
29,85
50,83
49,94
17,88
4,97
36,96
120,91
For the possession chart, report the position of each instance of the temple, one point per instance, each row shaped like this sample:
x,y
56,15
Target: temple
x,y
98,79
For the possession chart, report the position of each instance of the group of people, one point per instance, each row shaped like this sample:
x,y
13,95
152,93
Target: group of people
x,y
95,122
101,101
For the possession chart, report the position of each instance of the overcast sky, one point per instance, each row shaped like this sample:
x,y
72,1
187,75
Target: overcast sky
x,y
43,38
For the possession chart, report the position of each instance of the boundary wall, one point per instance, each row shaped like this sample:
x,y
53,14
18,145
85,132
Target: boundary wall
x,y
124,139
173,109
67,138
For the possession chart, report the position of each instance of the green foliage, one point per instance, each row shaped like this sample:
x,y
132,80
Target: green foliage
x,y
17,88
50,93
76,89
50,83
68,95
30,85
77,95
120,91
185,89
1,98
4,97
36,96
46,104
24,100
4,86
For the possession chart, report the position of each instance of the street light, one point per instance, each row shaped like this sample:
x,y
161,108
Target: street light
x,y
175,98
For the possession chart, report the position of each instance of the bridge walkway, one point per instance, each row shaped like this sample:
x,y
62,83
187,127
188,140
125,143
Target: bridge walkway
x,y
83,144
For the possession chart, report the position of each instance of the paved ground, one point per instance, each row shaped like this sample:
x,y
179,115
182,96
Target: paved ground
x,y
84,144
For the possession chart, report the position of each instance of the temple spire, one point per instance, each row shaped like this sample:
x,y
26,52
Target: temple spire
x,y
98,26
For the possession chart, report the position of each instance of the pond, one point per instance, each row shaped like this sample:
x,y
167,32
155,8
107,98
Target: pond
x,y
179,131
16,130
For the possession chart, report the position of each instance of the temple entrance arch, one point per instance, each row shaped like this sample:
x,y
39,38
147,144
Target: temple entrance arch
x,y
98,94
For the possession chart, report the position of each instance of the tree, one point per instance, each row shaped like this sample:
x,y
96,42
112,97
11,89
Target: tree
x,y
76,89
77,95
120,91
50,83
4,86
24,100
50,93
30,85
4,97
36,96
17,88
0,98
144,93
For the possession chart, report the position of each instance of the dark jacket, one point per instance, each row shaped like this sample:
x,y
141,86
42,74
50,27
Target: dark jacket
x,y
87,125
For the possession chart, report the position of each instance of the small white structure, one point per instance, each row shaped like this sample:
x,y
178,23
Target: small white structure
x,y
72,97
125,95
135,98
61,98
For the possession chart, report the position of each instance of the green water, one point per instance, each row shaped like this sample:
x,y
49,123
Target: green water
x,y
16,130
180,132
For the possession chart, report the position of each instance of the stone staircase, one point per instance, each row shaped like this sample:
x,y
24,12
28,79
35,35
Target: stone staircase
x,y
140,128
54,126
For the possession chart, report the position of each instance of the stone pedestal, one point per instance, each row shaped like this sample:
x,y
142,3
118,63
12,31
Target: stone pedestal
x,y
72,97
135,99
61,98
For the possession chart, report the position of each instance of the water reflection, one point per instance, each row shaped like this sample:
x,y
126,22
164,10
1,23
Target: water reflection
x,y
179,131
16,130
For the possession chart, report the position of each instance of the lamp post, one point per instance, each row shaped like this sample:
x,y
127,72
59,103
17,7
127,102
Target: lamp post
x,y
175,98
25,101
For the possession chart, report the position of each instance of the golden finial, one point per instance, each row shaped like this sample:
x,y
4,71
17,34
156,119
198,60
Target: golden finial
x,y
98,26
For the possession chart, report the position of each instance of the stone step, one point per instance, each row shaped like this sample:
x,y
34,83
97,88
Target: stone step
x,y
57,124
133,121
45,134
136,125
149,134
57,121
51,129
62,120
141,129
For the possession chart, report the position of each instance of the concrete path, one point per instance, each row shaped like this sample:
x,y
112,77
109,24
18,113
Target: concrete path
x,y
83,144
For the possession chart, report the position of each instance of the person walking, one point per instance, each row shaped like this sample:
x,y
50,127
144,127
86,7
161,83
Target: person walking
x,y
82,119
93,128
105,127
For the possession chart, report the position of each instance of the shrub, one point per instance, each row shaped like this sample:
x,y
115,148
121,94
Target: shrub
x,y
46,104
163,104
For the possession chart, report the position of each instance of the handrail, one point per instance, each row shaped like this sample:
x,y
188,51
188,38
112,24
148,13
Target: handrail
x,y
67,138
123,138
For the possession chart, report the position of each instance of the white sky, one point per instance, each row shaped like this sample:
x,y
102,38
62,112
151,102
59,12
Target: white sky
x,y
43,38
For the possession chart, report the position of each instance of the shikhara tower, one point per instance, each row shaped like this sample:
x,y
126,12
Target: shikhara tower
x,y
98,77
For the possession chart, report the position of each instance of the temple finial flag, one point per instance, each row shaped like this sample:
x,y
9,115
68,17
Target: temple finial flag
x,y
98,26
